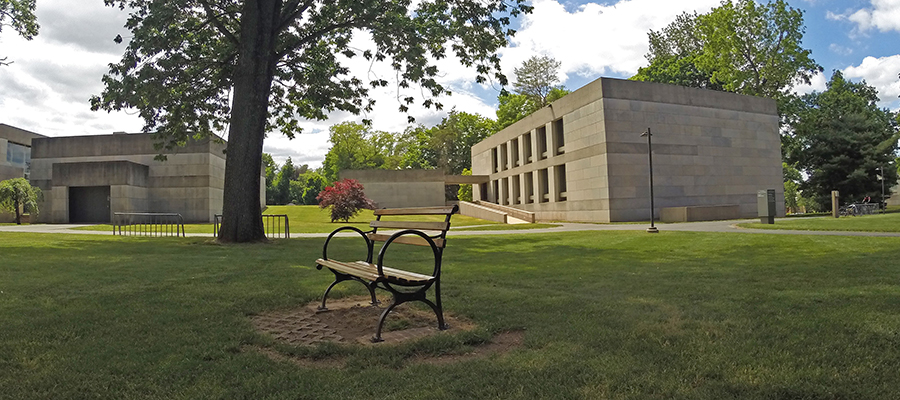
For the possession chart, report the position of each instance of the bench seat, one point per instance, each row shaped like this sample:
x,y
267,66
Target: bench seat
x,y
369,271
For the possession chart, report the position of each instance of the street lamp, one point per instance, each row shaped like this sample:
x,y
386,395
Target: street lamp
x,y
881,178
652,228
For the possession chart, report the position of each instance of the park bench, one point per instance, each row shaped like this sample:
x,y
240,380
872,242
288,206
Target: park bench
x,y
403,285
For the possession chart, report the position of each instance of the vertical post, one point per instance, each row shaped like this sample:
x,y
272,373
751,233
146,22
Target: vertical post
x,y
881,176
835,203
652,228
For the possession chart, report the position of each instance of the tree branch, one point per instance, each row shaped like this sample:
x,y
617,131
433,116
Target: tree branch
x,y
288,18
217,23
318,34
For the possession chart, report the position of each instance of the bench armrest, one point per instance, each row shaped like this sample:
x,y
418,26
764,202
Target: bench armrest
x,y
349,228
434,248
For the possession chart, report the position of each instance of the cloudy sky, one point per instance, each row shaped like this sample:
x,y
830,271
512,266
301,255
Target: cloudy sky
x,y
46,89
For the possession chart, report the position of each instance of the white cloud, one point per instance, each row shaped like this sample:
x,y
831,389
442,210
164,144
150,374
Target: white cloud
x,y
816,84
595,39
840,50
883,15
882,74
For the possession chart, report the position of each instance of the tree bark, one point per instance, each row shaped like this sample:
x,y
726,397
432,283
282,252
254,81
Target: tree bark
x,y
18,215
242,211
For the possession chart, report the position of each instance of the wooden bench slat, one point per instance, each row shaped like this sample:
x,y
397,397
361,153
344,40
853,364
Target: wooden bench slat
x,y
369,271
419,225
406,239
415,211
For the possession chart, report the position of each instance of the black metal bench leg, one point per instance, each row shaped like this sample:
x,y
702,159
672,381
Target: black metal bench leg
x,y
438,309
371,288
338,278
325,296
377,338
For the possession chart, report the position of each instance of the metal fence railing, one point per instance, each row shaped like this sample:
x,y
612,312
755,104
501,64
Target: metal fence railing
x,y
276,226
148,224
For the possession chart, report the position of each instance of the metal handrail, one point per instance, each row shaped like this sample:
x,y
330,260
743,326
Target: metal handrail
x,y
148,224
272,224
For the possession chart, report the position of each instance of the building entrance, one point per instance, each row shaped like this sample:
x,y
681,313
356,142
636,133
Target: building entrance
x,y
89,204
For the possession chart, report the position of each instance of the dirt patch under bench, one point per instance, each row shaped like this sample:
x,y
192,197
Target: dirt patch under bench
x,y
353,321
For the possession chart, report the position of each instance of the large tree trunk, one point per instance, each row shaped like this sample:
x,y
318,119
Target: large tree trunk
x,y
18,215
241,211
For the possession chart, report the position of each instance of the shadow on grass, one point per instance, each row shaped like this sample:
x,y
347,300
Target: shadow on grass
x,y
611,314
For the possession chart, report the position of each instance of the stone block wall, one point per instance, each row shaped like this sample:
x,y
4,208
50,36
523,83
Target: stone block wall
x,y
404,188
189,182
583,158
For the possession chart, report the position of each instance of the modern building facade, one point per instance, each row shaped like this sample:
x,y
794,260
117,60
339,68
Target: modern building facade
x,y
85,179
582,158
15,152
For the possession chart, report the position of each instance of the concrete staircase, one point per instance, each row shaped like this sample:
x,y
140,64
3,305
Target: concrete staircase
x,y
495,212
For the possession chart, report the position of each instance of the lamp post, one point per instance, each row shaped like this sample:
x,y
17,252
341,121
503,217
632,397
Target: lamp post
x,y
881,177
652,228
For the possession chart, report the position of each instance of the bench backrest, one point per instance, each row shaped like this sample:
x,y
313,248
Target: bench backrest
x,y
437,230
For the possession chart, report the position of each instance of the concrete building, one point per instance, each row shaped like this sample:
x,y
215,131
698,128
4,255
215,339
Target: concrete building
x,y
582,158
409,187
15,152
87,178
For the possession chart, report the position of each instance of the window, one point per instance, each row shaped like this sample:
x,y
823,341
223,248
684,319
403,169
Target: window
x,y
526,148
542,142
559,138
516,190
496,186
560,171
529,188
504,192
514,153
503,156
544,191
483,191
494,160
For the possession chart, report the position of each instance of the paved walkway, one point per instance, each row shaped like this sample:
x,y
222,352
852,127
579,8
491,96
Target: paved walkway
x,y
711,226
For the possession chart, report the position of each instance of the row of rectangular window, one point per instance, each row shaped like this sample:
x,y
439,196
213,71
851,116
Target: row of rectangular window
x,y
506,156
501,187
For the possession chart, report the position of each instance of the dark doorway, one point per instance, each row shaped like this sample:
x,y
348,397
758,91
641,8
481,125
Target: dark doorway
x,y
89,204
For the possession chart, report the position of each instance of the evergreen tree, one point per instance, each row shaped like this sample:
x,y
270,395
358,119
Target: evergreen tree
x,y
841,138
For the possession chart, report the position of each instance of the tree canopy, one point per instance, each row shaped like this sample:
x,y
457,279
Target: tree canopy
x,y
18,14
195,67
842,140
17,195
536,78
742,47
536,85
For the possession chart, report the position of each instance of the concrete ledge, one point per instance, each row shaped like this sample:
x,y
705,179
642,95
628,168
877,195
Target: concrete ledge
x,y
699,213
485,213
523,215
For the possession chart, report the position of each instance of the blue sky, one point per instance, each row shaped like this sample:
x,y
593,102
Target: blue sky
x,y
46,89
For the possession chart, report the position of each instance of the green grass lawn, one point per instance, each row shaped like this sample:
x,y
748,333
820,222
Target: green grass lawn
x,y
622,315
312,219
866,223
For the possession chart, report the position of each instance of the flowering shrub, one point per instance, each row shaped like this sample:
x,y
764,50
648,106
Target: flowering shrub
x,y
346,199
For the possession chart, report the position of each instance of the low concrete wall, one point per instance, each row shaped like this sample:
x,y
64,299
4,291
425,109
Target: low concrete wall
x,y
699,213
485,213
398,189
523,215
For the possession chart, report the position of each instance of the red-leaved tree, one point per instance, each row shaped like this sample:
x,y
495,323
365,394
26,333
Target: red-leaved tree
x,y
346,199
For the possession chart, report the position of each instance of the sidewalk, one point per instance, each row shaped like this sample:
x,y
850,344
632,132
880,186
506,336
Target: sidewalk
x,y
710,226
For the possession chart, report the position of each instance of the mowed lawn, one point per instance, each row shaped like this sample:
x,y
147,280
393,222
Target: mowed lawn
x,y
619,315
864,223
312,219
